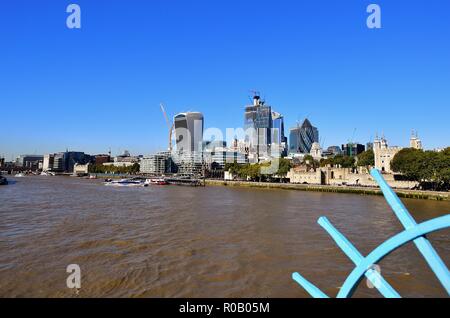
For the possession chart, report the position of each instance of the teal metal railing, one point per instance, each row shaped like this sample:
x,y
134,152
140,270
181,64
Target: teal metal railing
x,y
364,265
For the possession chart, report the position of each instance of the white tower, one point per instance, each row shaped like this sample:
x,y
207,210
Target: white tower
x,y
415,142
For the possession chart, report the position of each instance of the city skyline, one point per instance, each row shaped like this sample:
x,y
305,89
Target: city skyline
x,y
100,87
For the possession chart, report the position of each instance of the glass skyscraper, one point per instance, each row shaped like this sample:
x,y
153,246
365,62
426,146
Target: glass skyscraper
x,y
259,118
267,128
302,138
189,132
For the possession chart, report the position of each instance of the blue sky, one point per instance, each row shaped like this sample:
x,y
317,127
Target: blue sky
x,y
100,87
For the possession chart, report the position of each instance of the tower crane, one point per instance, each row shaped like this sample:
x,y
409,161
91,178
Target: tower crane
x,y
170,126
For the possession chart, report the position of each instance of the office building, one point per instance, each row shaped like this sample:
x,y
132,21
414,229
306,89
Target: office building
x,y
101,159
334,150
65,161
352,149
278,137
218,159
302,137
264,131
29,161
48,162
188,163
189,132
257,126
154,164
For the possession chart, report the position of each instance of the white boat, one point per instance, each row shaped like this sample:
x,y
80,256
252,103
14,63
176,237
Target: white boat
x,y
126,183
156,181
19,175
46,173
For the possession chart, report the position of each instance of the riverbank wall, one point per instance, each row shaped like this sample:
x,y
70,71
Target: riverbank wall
x,y
410,194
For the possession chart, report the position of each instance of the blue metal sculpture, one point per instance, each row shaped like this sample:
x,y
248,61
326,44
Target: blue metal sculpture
x,y
364,265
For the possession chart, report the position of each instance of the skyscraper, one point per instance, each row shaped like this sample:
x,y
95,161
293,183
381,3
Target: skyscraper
x,y
258,118
264,128
189,132
302,137
278,137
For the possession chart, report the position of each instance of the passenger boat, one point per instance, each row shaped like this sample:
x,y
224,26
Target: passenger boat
x,y
127,183
156,181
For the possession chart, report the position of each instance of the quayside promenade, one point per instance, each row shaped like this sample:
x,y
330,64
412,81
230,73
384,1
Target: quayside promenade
x,y
410,194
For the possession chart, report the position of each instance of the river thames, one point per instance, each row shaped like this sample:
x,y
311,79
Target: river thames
x,y
174,241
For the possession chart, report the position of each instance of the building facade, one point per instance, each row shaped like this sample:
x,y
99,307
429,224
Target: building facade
x,y
279,140
65,161
384,154
189,132
218,159
154,164
48,162
257,126
352,149
415,142
29,161
302,137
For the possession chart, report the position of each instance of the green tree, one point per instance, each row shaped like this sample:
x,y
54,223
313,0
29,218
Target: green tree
x,y
410,163
366,159
426,167
284,165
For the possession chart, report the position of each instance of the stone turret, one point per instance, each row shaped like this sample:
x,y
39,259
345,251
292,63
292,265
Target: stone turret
x,y
414,141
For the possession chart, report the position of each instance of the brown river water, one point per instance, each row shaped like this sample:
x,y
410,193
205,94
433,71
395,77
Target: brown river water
x,y
174,241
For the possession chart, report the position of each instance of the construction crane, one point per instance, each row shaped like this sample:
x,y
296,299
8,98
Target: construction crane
x,y
170,126
351,142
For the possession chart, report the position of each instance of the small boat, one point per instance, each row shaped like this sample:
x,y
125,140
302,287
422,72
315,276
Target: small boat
x,y
126,183
3,181
156,181
47,174
19,175
92,176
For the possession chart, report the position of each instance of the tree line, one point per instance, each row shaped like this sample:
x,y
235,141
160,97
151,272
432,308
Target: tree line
x,y
260,171
114,170
430,168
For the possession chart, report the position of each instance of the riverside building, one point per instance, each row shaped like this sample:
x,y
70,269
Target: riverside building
x,y
154,164
29,161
